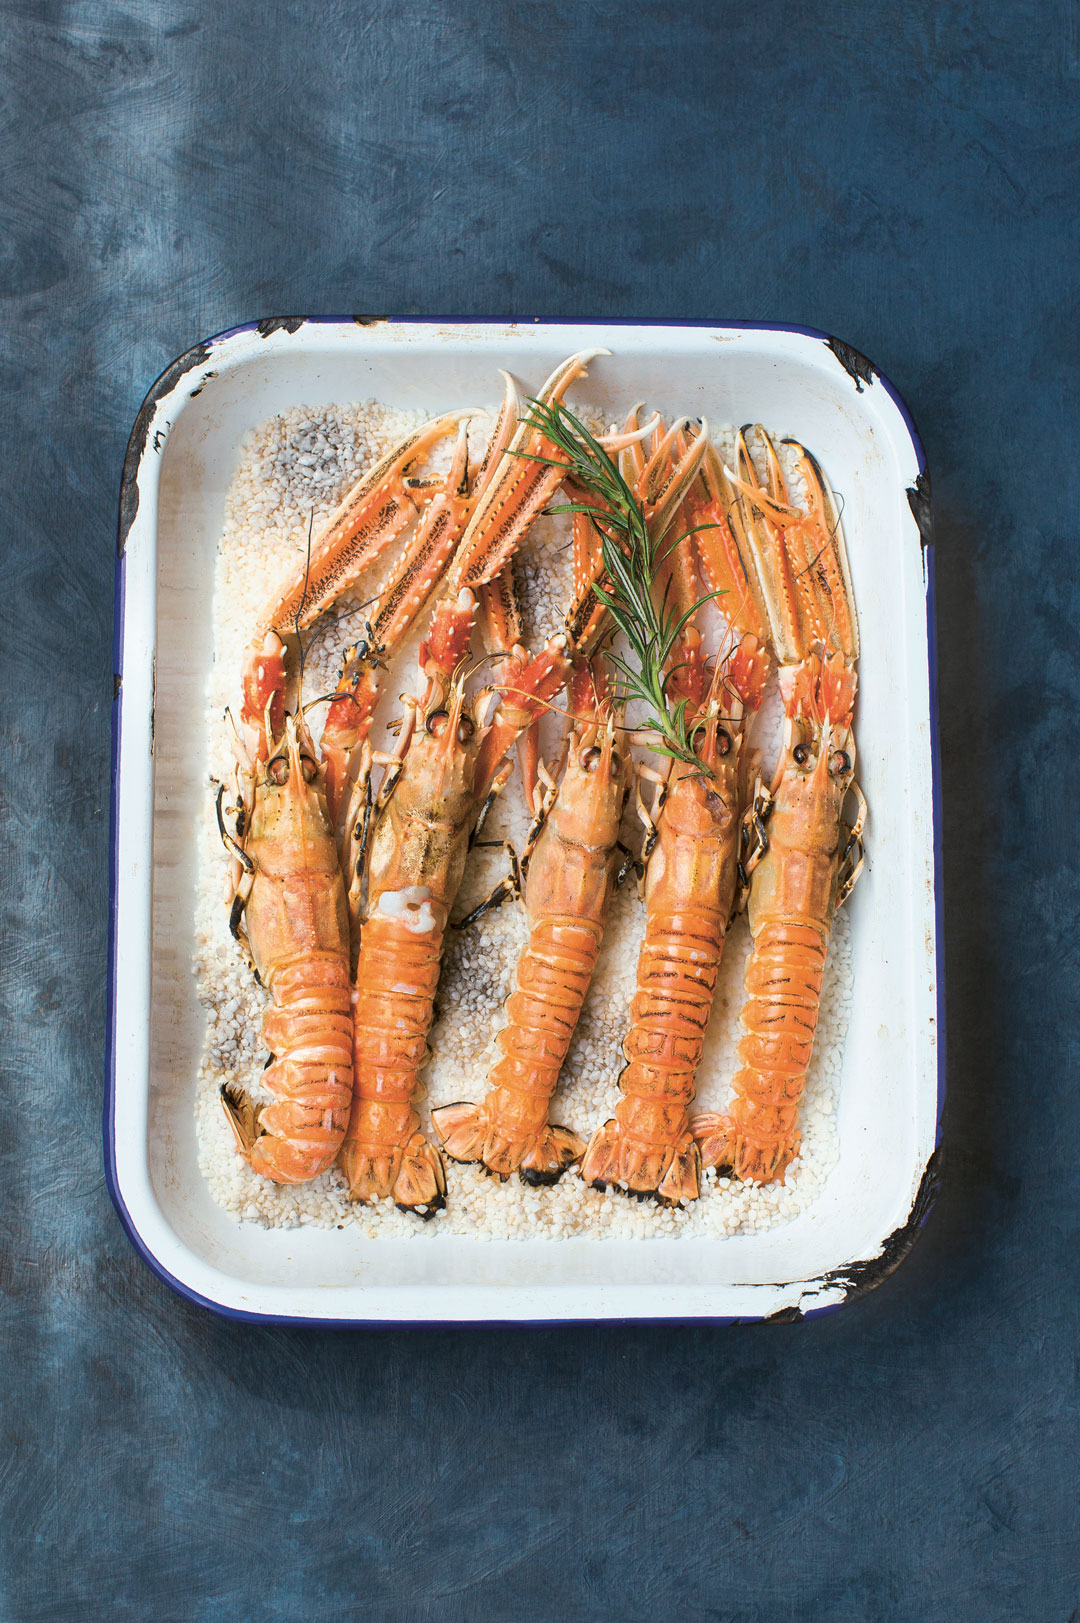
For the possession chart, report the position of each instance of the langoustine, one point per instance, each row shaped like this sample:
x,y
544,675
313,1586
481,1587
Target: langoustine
x,y
806,860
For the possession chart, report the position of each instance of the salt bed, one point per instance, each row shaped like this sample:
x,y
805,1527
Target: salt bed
x,y
293,469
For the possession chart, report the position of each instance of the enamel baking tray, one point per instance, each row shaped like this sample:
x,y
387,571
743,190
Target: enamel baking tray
x,y
180,459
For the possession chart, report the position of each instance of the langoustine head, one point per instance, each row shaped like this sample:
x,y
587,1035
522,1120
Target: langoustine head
x,y
596,778
289,786
817,754
447,729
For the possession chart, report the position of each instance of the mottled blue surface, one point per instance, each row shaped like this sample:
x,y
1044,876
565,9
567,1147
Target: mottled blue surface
x,y
906,177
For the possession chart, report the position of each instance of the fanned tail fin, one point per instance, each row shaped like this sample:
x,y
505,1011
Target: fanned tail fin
x,y
462,1128
670,1172
469,1134
725,1145
413,1176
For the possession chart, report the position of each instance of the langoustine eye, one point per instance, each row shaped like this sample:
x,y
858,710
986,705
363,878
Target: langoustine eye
x,y
839,763
277,770
437,723
801,754
465,730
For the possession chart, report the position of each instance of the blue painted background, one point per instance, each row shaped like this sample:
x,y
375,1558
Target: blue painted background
x,y
904,176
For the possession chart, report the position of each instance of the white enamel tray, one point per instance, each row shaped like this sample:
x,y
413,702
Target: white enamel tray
x,y
182,453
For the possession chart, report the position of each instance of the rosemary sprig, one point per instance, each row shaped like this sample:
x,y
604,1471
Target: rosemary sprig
x,y
631,557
